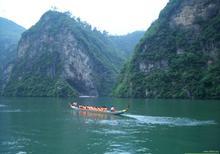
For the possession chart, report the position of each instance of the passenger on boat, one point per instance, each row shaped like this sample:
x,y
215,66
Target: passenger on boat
x,y
112,109
75,104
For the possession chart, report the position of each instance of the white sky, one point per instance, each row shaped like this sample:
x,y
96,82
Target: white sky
x,y
114,16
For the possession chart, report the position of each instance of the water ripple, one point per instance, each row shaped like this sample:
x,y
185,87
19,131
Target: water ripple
x,y
15,110
109,131
3,105
140,120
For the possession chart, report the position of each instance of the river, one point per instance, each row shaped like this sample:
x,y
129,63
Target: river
x,y
48,125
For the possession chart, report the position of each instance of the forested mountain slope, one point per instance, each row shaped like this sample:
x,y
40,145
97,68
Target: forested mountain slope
x,y
179,55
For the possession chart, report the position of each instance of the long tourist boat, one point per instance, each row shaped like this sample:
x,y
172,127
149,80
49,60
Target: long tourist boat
x,y
95,109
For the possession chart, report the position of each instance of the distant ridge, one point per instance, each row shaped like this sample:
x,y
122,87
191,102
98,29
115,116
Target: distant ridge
x,y
10,30
10,34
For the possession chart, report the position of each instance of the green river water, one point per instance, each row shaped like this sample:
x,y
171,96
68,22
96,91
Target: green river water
x,y
49,126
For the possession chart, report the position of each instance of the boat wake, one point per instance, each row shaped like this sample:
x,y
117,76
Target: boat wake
x,y
170,121
8,111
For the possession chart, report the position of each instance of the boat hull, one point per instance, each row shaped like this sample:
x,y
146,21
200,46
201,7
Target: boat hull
x,y
102,112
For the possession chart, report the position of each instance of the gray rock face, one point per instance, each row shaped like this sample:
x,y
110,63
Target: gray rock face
x,y
77,66
75,63
147,66
186,16
190,10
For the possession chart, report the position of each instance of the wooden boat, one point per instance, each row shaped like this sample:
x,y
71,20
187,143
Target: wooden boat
x,y
97,109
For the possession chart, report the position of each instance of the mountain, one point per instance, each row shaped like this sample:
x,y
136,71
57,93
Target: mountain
x,y
179,55
63,56
10,34
10,30
126,43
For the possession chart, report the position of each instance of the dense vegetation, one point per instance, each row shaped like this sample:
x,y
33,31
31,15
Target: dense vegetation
x,y
176,61
45,87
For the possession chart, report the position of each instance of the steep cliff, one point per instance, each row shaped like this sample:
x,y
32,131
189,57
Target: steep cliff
x,y
10,34
178,57
63,56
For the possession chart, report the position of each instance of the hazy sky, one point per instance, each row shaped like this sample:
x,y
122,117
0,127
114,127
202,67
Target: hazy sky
x,y
114,16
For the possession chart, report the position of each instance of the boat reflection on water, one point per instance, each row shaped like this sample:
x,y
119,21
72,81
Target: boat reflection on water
x,y
93,115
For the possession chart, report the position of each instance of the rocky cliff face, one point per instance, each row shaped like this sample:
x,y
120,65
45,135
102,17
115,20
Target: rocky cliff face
x,y
63,56
179,54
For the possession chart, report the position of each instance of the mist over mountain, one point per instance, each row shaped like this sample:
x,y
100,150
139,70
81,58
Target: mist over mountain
x,y
126,43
